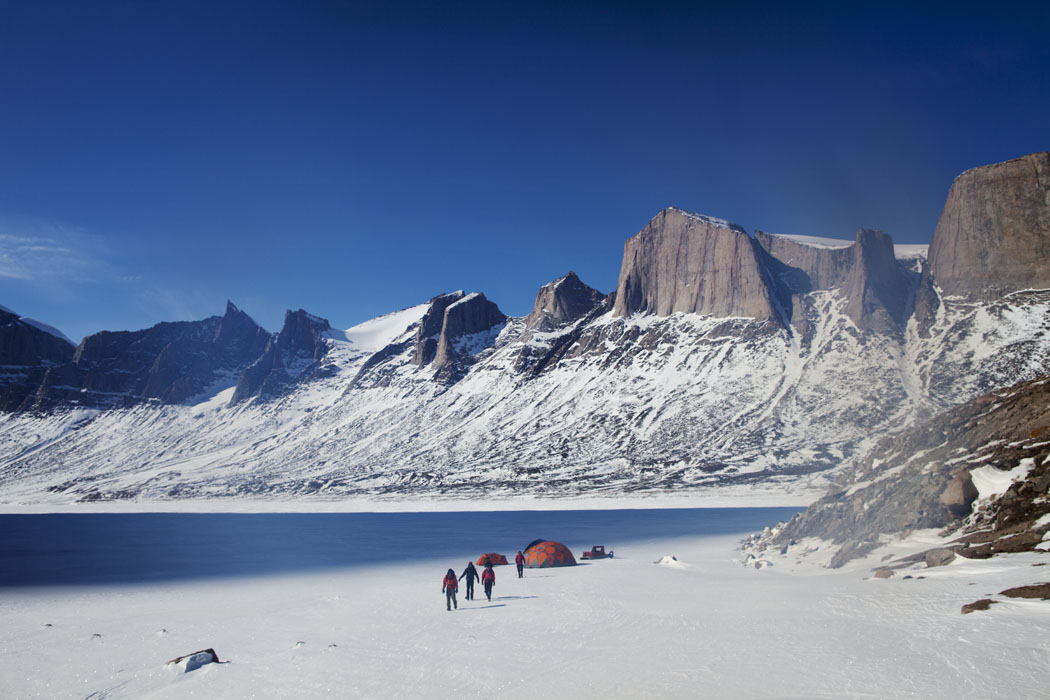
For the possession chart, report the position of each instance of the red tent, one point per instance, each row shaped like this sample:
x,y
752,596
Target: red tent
x,y
492,558
546,554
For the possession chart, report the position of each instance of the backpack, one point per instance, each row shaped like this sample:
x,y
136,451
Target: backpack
x,y
489,576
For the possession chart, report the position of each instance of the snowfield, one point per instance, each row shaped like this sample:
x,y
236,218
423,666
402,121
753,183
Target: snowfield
x,y
701,625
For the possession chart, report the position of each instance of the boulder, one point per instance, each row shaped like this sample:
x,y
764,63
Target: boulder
x,y
982,604
939,557
959,495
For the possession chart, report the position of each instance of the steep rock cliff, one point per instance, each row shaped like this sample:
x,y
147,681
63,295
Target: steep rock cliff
x,y
682,262
993,235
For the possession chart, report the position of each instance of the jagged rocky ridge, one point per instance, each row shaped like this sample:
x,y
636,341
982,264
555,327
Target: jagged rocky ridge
x,y
721,360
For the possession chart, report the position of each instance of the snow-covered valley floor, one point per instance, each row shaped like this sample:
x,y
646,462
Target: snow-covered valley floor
x,y
375,626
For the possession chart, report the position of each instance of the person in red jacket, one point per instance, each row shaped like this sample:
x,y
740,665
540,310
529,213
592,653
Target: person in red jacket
x,y
520,561
488,579
449,586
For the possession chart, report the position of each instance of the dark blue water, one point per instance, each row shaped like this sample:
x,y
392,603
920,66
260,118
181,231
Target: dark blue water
x,y
98,549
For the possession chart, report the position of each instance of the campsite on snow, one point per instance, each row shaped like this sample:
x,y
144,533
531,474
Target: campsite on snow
x,y
696,350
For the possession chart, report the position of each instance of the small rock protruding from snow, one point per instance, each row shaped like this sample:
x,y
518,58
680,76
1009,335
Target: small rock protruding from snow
x,y
669,560
191,662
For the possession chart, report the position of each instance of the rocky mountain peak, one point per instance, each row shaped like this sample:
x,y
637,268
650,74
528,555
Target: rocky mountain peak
x,y
290,356
993,234
562,302
682,262
25,343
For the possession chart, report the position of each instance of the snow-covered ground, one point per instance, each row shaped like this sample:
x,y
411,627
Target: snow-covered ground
x,y
702,625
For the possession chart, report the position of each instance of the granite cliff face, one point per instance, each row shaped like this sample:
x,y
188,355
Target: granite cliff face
x,y
694,264
993,236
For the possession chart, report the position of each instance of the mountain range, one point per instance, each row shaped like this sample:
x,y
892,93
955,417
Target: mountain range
x,y
723,362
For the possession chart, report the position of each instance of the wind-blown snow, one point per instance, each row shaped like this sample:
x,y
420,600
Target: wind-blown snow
x,y
906,251
374,335
815,241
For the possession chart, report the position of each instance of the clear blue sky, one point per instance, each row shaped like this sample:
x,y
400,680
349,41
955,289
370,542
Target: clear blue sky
x,y
354,159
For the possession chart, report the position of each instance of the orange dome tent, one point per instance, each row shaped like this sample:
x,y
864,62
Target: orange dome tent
x,y
493,558
544,554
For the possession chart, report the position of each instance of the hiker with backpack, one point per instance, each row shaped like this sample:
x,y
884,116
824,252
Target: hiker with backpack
x,y
472,575
520,561
488,579
449,586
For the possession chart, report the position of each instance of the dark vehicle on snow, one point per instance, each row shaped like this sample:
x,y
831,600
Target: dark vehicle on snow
x,y
597,552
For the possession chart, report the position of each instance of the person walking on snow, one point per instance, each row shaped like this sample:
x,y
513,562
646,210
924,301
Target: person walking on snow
x,y
488,579
472,575
520,561
449,586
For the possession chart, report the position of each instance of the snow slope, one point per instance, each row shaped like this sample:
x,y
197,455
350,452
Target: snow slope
x,y
631,406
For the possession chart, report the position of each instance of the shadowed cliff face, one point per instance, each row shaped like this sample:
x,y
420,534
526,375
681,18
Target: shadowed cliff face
x,y
288,357
876,286
454,328
993,236
686,263
26,354
170,362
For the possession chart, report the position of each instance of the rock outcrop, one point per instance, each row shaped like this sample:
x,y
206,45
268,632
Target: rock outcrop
x,y
454,328
429,331
993,235
562,302
682,262
922,478
469,326
291,355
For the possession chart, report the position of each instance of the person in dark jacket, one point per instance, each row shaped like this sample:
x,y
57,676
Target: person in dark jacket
x,y
472,575
488,580
449,586
520,561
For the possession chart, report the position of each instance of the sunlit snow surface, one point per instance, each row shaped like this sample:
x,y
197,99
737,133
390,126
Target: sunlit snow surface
x,y
703,626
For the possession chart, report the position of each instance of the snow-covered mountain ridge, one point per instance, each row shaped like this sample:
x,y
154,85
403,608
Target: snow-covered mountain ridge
x,y
721,363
